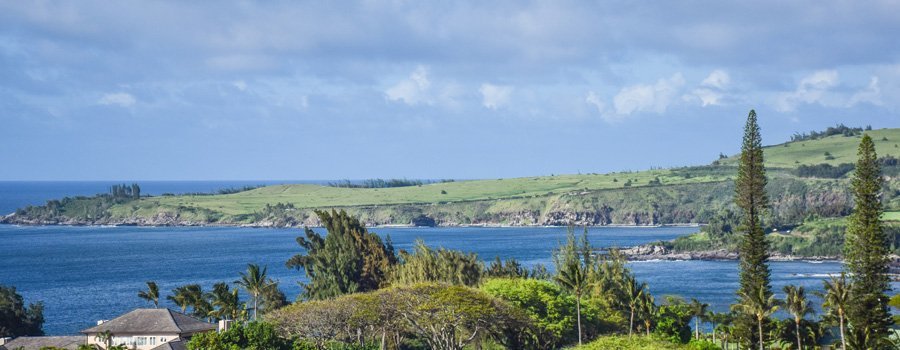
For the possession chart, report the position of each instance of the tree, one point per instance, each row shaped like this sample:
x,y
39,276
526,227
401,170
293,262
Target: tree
x,y
698,310
425,264
151,294
867,254
508,268
250,336
548,306
272,297
254,282
750,197
633,291
835,299
225,302
450,317
796,303
16,319
191,296
648,311
673,321
347,260
761,306
573,263
105,337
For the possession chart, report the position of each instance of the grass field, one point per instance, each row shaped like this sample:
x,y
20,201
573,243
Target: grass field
x,y
316,196
788,155
841,148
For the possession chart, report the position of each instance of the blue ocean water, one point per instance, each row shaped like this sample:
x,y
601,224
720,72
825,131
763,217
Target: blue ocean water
x,y
84,274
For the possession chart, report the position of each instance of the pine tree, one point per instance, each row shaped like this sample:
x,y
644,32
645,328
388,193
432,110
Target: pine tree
x,y
750,197
867,255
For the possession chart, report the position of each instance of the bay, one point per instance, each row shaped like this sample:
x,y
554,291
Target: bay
x,y
85,274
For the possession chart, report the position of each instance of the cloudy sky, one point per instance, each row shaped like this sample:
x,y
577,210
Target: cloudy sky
x,y
197,90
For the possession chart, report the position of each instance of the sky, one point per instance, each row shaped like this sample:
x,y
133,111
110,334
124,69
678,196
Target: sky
x,y
292,90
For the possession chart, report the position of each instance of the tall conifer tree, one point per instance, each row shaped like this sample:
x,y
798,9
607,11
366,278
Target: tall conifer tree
x,y
750,197
867,255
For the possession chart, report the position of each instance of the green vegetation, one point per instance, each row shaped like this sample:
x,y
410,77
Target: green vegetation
x,y
349,259
15,318
659,196
811,152
755,297
867,256
249,336
620,342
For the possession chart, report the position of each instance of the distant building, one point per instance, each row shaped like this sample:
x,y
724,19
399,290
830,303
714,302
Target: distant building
x,y
141,329
149,329
28,343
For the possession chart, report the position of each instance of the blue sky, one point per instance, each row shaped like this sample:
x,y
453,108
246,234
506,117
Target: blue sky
x,y
158,90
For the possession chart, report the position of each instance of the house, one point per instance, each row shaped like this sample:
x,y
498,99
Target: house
x,y
149,329
140,329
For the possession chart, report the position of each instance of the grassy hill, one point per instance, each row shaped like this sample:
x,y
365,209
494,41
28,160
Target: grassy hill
x,y
842,149
661,196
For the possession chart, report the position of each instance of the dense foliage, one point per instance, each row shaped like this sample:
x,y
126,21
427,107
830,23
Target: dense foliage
x,y
249,336
348,259
824,170
426,264
839,129
15,318
755,291
383,183
867,256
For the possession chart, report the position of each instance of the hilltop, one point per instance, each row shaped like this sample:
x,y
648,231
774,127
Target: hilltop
x,y
687,195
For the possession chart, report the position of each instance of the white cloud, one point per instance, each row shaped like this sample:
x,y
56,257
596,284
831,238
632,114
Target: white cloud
x,y
121,99
718,79
871,94
648,98
812,89
412,90
494,96
707,97
240,85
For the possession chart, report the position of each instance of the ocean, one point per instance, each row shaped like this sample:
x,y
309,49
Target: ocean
x,y
85,274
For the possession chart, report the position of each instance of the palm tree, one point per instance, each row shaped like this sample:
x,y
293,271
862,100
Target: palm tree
x,y
633,291
254,281
181,297
798,306
106,337
698,310
151,294
226,302
190,295
573,263
759,305
647,307
835,299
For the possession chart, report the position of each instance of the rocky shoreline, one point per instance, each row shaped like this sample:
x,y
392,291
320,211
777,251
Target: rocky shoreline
x,y
658,252
652,252
169,220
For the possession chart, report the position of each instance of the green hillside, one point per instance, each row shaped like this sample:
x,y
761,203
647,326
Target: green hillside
x,y
842,149
661,196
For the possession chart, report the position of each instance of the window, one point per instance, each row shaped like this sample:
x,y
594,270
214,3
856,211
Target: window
x,y
152,340
141,340
162,339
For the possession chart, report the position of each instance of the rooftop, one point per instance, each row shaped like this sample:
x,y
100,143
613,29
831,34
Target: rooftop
x,y
35,343
152,321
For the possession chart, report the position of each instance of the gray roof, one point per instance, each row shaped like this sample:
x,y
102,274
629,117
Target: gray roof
x,y
35,343
176,344
146,321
